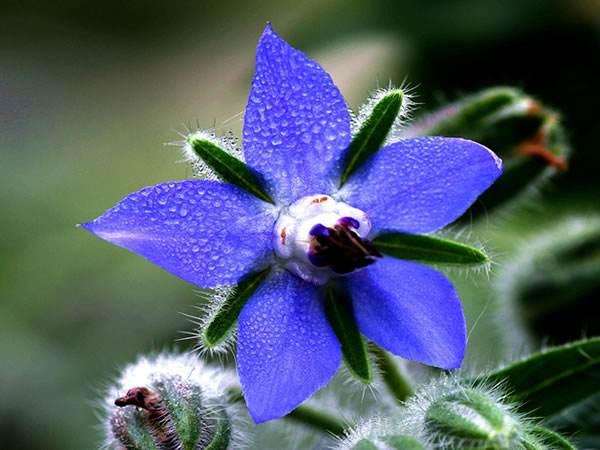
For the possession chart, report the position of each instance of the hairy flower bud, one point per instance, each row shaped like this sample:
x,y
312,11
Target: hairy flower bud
x,y
553,284
454,414
468,418
457,414
169,401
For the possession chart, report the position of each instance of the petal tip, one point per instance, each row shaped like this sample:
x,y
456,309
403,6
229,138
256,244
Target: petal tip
x,y
269,31
454,364
87,226
264,416
497,160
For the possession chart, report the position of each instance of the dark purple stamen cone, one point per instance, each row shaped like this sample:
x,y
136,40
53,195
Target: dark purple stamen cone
x,y
341,248
349,222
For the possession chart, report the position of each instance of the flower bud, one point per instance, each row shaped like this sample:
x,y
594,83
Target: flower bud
x,y
169,401
459,415
468,418
553,283
525,134
453,414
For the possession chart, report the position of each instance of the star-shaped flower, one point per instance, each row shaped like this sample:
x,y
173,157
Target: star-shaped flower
x,y
313,234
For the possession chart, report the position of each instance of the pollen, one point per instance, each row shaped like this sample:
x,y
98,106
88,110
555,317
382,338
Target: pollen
x,y
320,199
283,235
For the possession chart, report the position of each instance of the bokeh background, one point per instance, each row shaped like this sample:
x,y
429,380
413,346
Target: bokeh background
x,y
91,91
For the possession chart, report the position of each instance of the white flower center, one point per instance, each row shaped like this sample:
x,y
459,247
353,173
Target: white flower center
x,y
317,238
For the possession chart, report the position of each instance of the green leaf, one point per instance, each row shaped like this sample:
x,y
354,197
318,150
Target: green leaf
x,y
228,167
430,249
580,418
554,281
373,132
550,381
548,439
339,313
223,322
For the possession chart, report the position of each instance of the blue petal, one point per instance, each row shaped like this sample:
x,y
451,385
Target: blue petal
x,y
411,310
286,348
296,124
420,185
206,232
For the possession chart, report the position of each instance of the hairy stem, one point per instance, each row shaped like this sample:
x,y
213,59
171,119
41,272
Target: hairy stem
x,y
397,383
308,415
323,421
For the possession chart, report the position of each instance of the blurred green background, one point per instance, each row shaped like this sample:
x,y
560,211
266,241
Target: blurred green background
x,y
90,92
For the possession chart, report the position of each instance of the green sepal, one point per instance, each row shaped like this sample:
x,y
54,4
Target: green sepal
x,y
373,132
184,403
338,308
229,168
130,427
224,320
429,249
552,380
221,436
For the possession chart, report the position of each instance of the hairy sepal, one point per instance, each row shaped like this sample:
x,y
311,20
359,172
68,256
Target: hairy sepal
x,y
222,322
384,110
340,315
206,148
429,249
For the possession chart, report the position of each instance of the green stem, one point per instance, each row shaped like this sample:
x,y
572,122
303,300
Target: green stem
x,y
320,420
392,376
307,415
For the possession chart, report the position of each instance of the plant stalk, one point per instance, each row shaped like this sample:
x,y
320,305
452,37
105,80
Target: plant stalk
x,y
396,382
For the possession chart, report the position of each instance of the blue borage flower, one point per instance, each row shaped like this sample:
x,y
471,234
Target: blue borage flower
x,y
297,128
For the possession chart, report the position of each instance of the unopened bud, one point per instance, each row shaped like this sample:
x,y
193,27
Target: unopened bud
x,y
460,415
454,414
469,418
169,402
